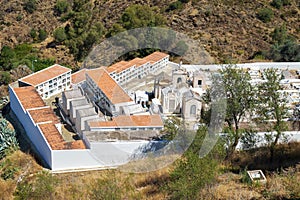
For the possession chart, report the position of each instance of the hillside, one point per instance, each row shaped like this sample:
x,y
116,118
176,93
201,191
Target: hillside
x,y
227,29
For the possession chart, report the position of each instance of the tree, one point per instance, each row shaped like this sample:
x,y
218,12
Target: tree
x,y
6,58
8,140
272,104
136,16
240,100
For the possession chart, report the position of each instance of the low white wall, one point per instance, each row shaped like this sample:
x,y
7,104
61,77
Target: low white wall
x,y
116,153
74,159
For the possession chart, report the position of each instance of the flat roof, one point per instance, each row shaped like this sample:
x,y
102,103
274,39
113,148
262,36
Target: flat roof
x,y
43,114
108,86
45,75
71,94
130,121
29,97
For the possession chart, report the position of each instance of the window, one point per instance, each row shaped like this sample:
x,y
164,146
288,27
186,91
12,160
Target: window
x,y
179,80
199,82
193,110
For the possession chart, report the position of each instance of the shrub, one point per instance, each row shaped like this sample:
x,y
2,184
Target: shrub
x,y
175,5
5,78
42,34
19,18
61,7
60,35
30,6
265,15
33,34
276,3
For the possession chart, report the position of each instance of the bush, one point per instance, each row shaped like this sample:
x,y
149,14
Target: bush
x,y
42,188
276,3
30,6
33,34
61,7
265,15
5,78
42,34
192,173
175,5
19,18
60,35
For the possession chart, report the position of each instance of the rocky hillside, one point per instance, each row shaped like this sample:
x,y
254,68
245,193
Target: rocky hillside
x,y
227,29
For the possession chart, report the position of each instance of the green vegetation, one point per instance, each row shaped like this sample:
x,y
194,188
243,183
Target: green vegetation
x,y
279,3
42,188
23,54
61,7
137,16
272,105
8,140
42,35
265,15
60,35
30,6
192,173
240,100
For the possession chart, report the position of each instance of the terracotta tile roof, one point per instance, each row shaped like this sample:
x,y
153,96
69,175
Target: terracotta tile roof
x,y
29,97
51,134
45,74
119,66
138,61
122,65
43,115
156,56
78,76
55,139
130,121
108,86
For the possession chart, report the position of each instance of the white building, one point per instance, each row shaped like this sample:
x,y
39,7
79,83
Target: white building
x,y
50,81
124,71
107,94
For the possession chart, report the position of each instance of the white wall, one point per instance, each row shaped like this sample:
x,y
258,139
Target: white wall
x,y
32,131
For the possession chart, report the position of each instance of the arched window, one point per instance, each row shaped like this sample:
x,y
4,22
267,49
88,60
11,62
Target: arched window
x,y
193,110
179,80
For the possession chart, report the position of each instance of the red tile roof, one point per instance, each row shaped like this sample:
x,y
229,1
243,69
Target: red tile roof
x,y
45,75
108,86
29,97
122,65
78,76
43,115
119,66
130,121
37,109
156,56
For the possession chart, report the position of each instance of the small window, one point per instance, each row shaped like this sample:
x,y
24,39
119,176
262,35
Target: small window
x,y
193,110
199,82
179,80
